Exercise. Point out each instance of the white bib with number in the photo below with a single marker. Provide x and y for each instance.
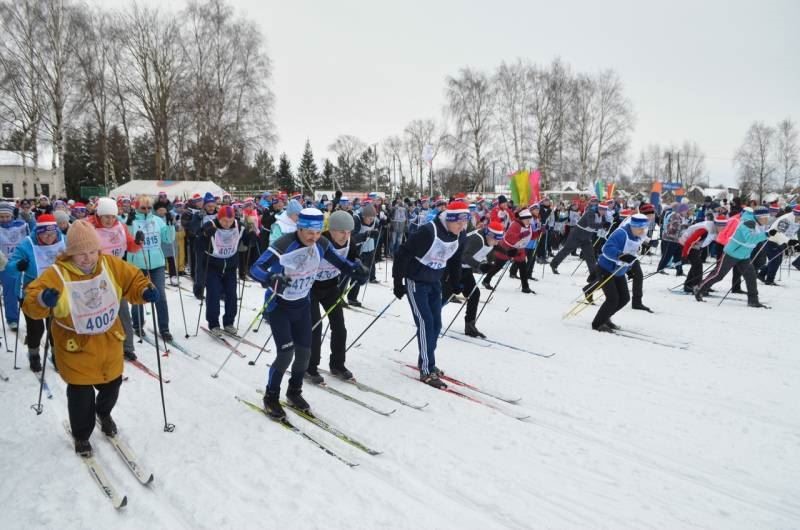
(225, 242)
(301, 266)
(10, 238)
(326, 269)
(439, 252)
(152, 235)
(93, 304)
(45, 255)
(113, 240)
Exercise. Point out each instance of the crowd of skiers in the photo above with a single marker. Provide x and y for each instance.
(82, 272)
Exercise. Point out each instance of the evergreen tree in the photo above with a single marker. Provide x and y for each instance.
(307, 172)
(284, 177)
(265, 168)
(144, 156)
(119, 172)
(73, 164)
(327, 181)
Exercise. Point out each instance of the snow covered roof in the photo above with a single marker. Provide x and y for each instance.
(14, 159)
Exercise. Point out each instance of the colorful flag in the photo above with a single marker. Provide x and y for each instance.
(655, 196)
(610, 190)
(535, 186)
(599, 190)
(520, 187)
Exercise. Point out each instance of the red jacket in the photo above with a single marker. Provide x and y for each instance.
(514, 235)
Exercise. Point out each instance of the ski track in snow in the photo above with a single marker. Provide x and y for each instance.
(623, 433)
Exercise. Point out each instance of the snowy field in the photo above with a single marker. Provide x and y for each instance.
(622, 433)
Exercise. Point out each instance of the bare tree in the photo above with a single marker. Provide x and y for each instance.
(418, 134)
(547, 110)
(755, 168)
(393, 149)
(92, 50)
(691, 164)
(21, 100)
(470, 107)
(582, 127)
(512, 94)
(55, 62)
(788, 154)
(614, 121)
(154, 69)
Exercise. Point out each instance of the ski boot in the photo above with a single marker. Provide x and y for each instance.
(107, 425)
(698, 295)
(231, 330)
(83, 448)
(341, 372)
(433, 380)
(487, 285)
(129, 356)
(641, 307)
(604, 328)
(313, 376)
(295, 398)
(554, 269)
(272, 405)
(167, 336)
(471, 331)
(217, 332)
(35, 361)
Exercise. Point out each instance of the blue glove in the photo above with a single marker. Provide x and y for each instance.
(49, 297)
(151, 294)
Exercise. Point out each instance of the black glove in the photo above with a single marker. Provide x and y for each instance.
(209, 230)
(511, 252)
(131, 217)
(772, 232)
(22, 265)
(399, 288)
(279, 280)
(653, 243)
(627, 258)
(484, 267)
(139, 238)
(168, 218)
(359, 272)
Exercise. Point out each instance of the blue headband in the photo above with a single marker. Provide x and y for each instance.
(309, 221)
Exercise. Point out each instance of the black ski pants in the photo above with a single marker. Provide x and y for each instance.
(617, 296)
(327, 297)
(82, 405)
(742, 266)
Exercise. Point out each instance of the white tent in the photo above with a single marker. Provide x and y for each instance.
(173, 188)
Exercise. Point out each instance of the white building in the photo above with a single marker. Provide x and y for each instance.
(19, 180)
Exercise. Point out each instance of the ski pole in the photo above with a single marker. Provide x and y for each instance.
(598, 286)
(491, 294)
(414, 336)
(3, 320)
(203, 296)
(702, 274)
(180, 295)
(379, 315)
(38, 406)
(371, 266)
(168, 427)
(464, 304)
(254, 361)
(241, 298)
(247, 331)
(19, 302)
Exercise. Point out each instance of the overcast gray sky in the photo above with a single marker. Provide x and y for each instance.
(697, 70)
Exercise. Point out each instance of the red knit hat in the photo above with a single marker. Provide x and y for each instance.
(496, 229)
(225, 211)
(647, 209)
(796, 209)
(46, 223)
(457, 211)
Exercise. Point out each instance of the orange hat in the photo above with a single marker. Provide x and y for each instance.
(82, 238)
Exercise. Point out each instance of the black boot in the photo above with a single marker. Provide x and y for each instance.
(604, 327)
(295, 398)
(314, 376)
(35, 362)
(471, 331)
(554, 269)
(487, 285)
(698, 295)
(341, 372)
(83, 448)
(641, 307)
(107, 425)
(433, 380)
(272, 404)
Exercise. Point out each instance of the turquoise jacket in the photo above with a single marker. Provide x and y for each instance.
(155, 232)
(25, 251)
(746, 237)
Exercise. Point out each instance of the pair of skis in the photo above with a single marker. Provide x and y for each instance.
(487, 342)
(97, 471)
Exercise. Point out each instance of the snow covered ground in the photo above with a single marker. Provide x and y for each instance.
(622, 433)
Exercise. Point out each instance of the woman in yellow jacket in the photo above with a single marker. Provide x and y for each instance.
(82, 291)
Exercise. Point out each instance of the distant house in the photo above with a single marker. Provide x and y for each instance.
(17, 175)
(697, 195)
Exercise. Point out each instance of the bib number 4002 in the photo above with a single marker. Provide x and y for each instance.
(100, 321)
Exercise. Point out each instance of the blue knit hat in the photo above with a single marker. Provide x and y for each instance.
(6, 207)
(639, 220)
(310, 219)
(293, 207)
(760, 211)
(208, 197)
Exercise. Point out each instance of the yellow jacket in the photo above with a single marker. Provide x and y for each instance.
(85, 359)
